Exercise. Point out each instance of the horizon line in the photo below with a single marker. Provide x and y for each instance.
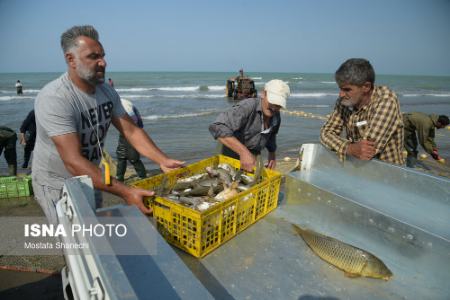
(264, 72)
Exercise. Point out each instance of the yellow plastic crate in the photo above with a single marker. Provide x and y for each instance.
(199, 233)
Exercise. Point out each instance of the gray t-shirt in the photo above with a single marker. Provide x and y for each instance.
(62, 108)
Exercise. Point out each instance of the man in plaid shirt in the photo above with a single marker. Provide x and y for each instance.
(370, 115)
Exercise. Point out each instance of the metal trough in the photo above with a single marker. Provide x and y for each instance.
(399, 215)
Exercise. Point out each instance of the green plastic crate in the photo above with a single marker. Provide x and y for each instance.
(13, 187)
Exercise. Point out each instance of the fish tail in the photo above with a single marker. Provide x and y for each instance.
(300, 231)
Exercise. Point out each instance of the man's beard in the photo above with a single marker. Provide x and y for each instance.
(347, 102)
(89, 75)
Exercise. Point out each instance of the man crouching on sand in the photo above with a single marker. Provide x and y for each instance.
(73, 115)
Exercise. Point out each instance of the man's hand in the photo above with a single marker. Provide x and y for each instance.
(248, 161)
(171, 164)
(135, 196)
(22, 140)
(272, 163)
(435, 154)
(364, 150)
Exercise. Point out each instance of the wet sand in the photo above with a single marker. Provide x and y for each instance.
(29, 285)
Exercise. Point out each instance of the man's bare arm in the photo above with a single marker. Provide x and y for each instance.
(247, 159)
(142, 142)
(69, 149)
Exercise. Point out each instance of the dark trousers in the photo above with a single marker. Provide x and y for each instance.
(29, 147)
(411, 144)
(125, 152)
(9, 144)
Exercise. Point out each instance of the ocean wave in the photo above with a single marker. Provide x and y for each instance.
(438, 95)
(174, 88)
(256, 78)
(134, 89)
(179, 88)
(314, 105)
(312, 95)
(9, 98)
(176, 116)
(216, 87)
(184, 96)
(428, 95)
(26, 91)
(298, 78)
(328, 82)
(193, 96)
(210, 96)
(137, 96)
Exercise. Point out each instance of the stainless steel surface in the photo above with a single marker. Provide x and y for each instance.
(156, 273)
(409, 196)
(395, 213)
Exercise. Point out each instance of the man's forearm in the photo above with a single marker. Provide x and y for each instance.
(334, 143)
(140, 140)
(81, 166)
(234, 144)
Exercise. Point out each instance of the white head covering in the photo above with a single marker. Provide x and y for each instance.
(277, 92)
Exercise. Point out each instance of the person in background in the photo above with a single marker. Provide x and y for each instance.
(369, 114)
(8, 138)
(19, 88)
(252, 125)
(125, 151)
(73, 115)
(422, 125)
(240, 76)
(110, 82)
(27, 137)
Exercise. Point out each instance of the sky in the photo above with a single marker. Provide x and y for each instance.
(409, 37)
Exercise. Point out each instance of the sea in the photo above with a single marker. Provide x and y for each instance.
(177, 107)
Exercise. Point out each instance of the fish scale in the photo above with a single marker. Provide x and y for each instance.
(350, 259)
(343, 256)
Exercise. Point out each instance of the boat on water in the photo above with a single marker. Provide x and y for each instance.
(240, 87)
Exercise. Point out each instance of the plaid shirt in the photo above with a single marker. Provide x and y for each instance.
(379, 121)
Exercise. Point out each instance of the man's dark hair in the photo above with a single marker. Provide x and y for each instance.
(356, 71)
(69, 37)
(443, 120)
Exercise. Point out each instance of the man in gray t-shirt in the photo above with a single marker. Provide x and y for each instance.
(73, 115)
(63, 109)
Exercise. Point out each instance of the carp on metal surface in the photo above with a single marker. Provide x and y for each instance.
(353, 261)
